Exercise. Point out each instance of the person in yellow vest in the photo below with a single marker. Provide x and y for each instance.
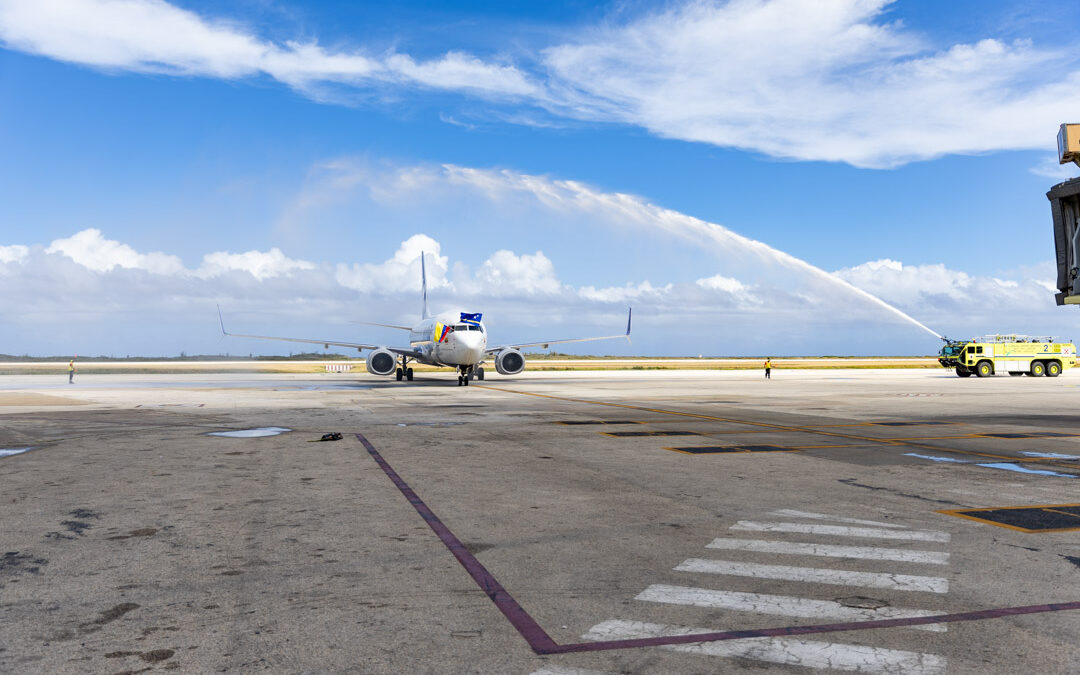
(768, 368)
(71, 371)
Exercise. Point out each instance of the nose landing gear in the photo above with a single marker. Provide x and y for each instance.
(469, 373)
(404, 371)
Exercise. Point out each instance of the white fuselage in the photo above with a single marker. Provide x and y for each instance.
(462, 344)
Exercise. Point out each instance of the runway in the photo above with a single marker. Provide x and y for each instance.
(581, 522)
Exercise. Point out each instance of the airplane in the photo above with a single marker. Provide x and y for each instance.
(451, 340)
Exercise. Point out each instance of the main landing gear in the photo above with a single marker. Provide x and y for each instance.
(469, 373)
(404, 371)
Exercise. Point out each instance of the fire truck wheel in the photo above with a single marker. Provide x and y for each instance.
(963, 373)
(984, 369)
(1053, 369)
(1037, 369)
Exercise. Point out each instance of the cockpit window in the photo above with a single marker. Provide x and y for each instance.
(466, 326)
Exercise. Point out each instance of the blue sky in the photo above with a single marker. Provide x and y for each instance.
(289, 161)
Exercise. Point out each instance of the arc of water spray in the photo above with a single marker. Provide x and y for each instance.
(572, 195)
(721, 235)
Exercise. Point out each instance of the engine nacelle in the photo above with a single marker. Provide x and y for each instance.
(509, 362)
(381, 361)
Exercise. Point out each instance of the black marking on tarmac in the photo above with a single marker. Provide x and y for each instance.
(1032, 519)
(727, 449)
(574, 423)
(907, 424)
(852, 482)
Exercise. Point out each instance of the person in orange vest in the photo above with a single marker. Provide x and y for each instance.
(768, 368)
(71, 371)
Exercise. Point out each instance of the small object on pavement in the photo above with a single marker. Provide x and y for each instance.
(332, 436)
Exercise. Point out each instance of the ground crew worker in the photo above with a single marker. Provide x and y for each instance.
(71, 371)
(768, 368)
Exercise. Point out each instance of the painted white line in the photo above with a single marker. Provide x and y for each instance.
(830, 551)
(561, 670)
(895, 582)
(789, 651)
(792, 513)
(839, 531)
(778, 605)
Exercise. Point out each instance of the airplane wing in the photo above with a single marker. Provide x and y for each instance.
(546, 343)
(406, 351)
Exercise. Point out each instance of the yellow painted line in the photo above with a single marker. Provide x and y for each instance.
(1064, 513)
(1006, 508)
(780, 427)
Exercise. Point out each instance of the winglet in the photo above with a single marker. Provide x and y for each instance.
(629, 316)
(423, 283)
(221, 321)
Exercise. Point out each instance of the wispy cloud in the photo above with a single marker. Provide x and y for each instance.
(794, 79)
(153, 36)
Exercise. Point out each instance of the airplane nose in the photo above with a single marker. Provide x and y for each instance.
(472, 342)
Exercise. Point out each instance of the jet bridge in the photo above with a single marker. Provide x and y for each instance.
(1065, 206)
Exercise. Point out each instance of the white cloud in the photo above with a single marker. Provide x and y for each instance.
(954, 300)
(631, 292)
(1049, 167)
(798, 79)
(13, 253)
(505, 273)
(93, 251)
(809, 80)
(401, 272)
(721, 283)
(154, 36)
(259, 264)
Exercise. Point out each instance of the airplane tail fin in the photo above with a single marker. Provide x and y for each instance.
(423, 284)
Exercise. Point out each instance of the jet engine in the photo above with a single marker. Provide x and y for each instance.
(509, 362)
(381, 361)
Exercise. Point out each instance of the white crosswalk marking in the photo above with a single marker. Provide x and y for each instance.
(778, 605)
(897, 582)
(806, 653)
(792, 513)
(840, 531)
(792, 651)
(831, 551)
(560, 670)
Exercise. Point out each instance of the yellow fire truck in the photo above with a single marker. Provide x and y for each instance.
(1012, 354)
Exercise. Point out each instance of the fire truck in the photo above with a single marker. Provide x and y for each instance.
(1012, 354)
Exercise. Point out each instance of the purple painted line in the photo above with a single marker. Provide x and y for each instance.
(541, 642)
(537, 638)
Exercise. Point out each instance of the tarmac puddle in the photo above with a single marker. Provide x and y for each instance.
(250, 433)
(8, 452)
(1007, 466)
(1049, 455)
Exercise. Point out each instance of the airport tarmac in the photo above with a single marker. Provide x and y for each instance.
(556, 523)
